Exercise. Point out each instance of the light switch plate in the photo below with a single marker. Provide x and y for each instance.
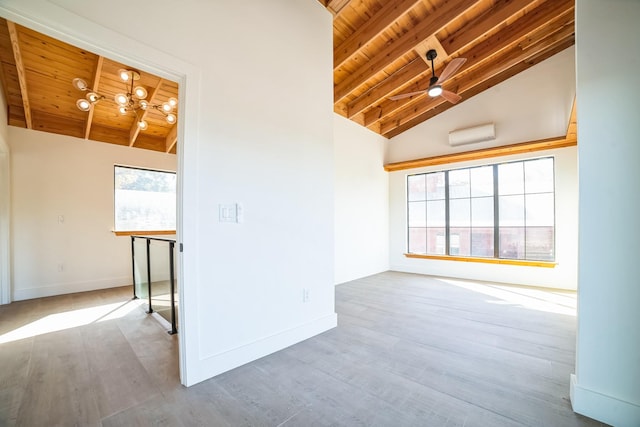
(227, 213)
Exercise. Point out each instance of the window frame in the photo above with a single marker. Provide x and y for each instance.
(496, 256)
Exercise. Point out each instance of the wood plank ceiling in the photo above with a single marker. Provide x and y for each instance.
(36, 73)
(380, 51)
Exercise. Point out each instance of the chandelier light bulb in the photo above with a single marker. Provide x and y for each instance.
(143, 104)
(173, 101)
(93, 97)
(140, 92)
(79, 83)
(124, 75)
(122, 109)
(142, 125)
(166, 107)
(121, 99)
(83, 104)
(171, 118)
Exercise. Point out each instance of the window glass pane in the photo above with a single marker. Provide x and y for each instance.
(436, 241)
(459, 213)
(482, 181)
(436, 214)
(538, 175)
(416, 187)
(482, 212)
(539, 209)
(144, 199)
(418, 240)
(482, 242)
(511, 210)
(417, 214)
(540, 243)
(512, 242)
(435, 186)
(459, 184)
(460, 241)
(510, 178)
(464, 215)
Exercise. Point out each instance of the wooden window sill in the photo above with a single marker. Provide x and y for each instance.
(144, 233)
(485, 260)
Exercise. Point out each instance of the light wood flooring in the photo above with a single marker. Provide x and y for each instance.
(409, 350)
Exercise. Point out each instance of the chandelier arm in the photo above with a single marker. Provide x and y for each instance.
(130, 94)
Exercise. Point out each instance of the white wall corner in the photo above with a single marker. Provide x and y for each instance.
(601, 407)
(230, 359)
(361, 201)
(5, 208)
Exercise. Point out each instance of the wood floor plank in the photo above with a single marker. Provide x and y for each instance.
(409, 350)
(59, 390)
(14, 362)
(119, 379)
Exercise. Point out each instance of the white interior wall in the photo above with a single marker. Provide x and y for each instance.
(256, 128)
(5, 200)
(607, 381)
(535, 104)
(522, 111)
(53, 176)
(361, 202)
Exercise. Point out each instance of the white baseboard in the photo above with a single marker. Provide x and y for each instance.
(604, 408)
(69, 288)
(219, 363)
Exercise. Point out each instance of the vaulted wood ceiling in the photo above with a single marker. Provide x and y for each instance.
(379, 50)
(36, 73)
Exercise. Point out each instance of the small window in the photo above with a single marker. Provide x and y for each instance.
(144, 199)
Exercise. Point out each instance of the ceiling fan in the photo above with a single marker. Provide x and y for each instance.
(435, 83)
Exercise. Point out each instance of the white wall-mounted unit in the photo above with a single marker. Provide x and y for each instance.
(470, 135)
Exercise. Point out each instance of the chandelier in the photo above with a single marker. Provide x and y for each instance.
(131, 101)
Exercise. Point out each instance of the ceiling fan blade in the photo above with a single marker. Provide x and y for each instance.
(453, 98)
(451, 69)
(406, 95)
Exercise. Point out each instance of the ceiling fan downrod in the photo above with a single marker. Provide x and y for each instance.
(434, 89)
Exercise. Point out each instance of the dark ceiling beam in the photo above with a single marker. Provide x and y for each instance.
(336, 6)
(22, 78)
(96, 84)
(415, 69)
(499, 13)
(438, 19)
(378, 23)
(134, 131)
(171, 139)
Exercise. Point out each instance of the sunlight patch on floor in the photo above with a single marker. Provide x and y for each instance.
(70, 319)
(550, 301)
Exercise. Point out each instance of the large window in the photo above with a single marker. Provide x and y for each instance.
(496, 211)
(145, 200)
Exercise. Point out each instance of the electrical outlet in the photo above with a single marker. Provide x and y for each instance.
(60, 268)
(305, 295)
